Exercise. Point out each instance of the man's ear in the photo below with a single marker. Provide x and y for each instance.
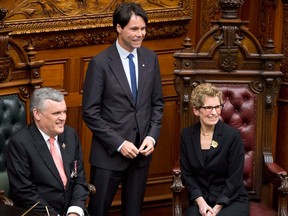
(195, 111)
(118, 28)
(36, 114)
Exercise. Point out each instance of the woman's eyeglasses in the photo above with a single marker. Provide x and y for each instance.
(210, 108)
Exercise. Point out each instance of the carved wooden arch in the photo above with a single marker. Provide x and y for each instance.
(19, 68)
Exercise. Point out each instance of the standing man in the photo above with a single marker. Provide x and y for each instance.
(123, 114)
(44, 161)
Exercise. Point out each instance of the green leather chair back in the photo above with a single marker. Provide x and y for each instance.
(12, 119)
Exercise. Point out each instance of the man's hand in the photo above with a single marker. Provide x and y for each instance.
(147, 147)
(129, 150)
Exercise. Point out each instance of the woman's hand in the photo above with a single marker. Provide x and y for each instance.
(204, 208)
(217, 208)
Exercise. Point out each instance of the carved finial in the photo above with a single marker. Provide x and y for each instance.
(187, 43)
(229, 8)
(30, 50)
(270, 46)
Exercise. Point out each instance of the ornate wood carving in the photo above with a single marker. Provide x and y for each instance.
(209, 10)
(85, 37)
(17, 66)
(285, 42)
(5, 60)
(267, 20)
(229, 8)
(56, 24)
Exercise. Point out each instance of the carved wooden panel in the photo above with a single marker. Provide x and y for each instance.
(68, 23)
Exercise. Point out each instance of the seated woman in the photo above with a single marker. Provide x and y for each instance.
(212, 159)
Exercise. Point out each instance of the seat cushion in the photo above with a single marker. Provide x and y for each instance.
(258, 209)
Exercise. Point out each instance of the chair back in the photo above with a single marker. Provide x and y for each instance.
(12, 119)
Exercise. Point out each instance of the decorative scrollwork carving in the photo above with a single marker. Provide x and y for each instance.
(284, 185)
(230, 8)
(5, 60)
(24, 92)
(177, 185)
(257, 86)
(229, 62)
(5, 63)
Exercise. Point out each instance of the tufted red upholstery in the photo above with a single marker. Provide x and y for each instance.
(240, 112)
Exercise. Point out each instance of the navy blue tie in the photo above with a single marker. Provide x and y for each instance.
(133, 76)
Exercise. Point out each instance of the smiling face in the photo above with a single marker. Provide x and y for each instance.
(208, 118)
(132, 35)
(51, 119)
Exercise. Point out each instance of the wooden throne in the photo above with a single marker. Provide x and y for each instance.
(231, 58)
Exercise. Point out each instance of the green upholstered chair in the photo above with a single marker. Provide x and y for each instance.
(12, 119)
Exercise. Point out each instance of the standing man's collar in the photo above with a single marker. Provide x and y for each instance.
(124, 53)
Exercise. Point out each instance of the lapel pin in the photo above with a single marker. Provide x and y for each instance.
(214, 144)
(143, 65)
(63, 145)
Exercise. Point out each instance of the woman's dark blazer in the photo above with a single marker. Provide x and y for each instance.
(219, 180)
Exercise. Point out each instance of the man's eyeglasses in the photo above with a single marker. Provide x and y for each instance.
(210, 108)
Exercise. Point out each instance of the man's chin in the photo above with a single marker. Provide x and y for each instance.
(137, 45)
(60, 129)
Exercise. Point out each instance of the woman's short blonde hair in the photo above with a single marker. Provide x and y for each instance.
(202, 91)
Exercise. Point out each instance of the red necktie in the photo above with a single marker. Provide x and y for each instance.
(57, 160)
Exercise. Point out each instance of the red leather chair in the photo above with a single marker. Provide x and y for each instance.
(240, 111)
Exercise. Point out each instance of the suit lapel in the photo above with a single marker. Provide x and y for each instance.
(117, 68)
(142, 72)
(42, 148)
(217, 136)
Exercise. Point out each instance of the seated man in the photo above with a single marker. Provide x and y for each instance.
(44, 160)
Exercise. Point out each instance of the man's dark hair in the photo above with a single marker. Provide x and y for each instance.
(124, 11)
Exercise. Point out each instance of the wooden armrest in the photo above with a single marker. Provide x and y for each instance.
(4, 200)
(276, 175)
(275, 169)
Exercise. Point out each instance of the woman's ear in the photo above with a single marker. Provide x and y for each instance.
(196, 111)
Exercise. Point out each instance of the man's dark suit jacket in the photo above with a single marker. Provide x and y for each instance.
(109, 110)
(34, 177)
(219, 179)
